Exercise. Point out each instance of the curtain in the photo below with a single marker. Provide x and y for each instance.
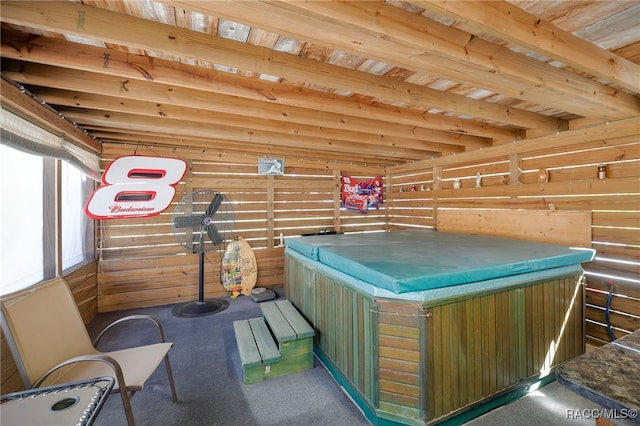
(22, 135)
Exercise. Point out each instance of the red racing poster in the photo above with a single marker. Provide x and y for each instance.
(361, 195)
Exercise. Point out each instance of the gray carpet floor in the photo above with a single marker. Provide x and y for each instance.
(211, 391)
(209, 382)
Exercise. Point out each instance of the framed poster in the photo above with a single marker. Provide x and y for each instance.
(270, 166)
(361, 195)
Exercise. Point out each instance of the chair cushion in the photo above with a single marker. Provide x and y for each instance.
(137, 363)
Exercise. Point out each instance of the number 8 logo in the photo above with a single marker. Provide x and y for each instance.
(136, 186)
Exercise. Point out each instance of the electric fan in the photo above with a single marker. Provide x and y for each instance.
(201, 221)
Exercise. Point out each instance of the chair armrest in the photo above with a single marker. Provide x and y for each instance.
(130, 318)
(84, 358)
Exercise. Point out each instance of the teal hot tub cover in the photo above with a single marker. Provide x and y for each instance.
(417, 260)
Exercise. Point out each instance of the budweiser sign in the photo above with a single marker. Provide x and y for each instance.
(135, 186)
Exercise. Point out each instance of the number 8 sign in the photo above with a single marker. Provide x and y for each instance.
(135, 186)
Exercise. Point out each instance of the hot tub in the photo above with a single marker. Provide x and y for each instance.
(420, 326)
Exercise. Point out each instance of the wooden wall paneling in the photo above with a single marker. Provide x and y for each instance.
(408, 202)
(303, 204)
(624, 313)
(419, 181)
(564, 139)
(493, 171)
(83, 282)
(515, 169)
(337, 200)
(270, 267)
(572, 228)
(270, 212)
(624, 271)
(572, 162)
(143, 264)
(619, 155)
(625, 290)
(11, 380)
(571, 158)
(620, 321)
(623, 236)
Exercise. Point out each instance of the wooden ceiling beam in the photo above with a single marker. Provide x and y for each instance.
(204, 130)
(14, 100)
(282, 96)
(391, 34)
(294, 122)
(240, 121)
(170, 101)
(111, 27)
(515, 25)
(313, 159)
(149, 109)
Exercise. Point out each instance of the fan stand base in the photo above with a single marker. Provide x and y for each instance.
(200, 308)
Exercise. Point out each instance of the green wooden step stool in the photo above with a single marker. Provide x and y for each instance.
(263, 357)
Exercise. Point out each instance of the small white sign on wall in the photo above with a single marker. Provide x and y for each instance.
(270, 166)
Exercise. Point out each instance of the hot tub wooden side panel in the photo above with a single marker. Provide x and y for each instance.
(401, 351)
(484, 345)
(343, 324)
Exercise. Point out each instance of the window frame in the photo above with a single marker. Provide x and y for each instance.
(52, 241)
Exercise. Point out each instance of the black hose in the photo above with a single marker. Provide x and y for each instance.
(606, 313)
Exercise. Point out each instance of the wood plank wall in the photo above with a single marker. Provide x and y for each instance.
(509, 180)
(142, 264)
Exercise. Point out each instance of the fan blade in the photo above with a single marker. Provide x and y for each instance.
(188, 221)
(215, 204)
(214, 235)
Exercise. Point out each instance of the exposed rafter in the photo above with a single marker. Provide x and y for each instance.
(381, 82)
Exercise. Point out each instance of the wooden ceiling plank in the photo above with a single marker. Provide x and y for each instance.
(473, 60)
(66, 54)
(571, 15)
(513, 24)
(391, 34)
(626, 22)
(78, 19)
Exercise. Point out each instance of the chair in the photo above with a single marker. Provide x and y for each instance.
(51, 345)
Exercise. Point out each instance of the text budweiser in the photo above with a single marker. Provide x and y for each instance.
(120, 209)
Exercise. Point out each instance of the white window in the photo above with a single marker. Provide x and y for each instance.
(78, 244)
(28, 225)
(43, 230)
(21, 219)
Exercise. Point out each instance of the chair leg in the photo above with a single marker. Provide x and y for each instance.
(174, 395)
(126, 403)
